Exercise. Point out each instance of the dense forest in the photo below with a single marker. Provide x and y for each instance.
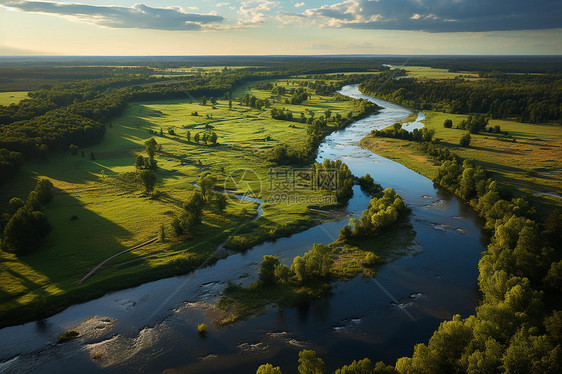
(508, 64)
(528, 98)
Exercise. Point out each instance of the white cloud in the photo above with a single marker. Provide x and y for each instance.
(289, 18)
(439, 15)
(255, 11)
(138, 16)
(298, 5)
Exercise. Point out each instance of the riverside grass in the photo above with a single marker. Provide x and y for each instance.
(530, 166)
(99, 210)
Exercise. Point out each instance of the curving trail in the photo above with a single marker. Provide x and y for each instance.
(98, 266)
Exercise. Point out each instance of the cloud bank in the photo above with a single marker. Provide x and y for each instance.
(424, 15)
(138, 16)
(439, 15)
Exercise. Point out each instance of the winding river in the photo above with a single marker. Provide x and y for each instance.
(151, 328)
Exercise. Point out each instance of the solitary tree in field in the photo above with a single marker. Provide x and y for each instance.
(151, 146)
(213, 101)
(448, 123)
(204, 100)
(465, 140)
(188, 136)
(221, 202)
(207, 184)
(196, 138)
(194, 204)
(148, 180)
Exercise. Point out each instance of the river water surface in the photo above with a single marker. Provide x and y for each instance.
(152, 327)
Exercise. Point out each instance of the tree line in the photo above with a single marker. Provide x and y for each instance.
(528, 98)
(317, 129)
(517, 326)
(24, 224)
(310, 363)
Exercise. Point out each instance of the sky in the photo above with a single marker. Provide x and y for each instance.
(265, 27)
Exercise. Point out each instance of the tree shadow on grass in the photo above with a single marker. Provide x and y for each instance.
(48, 278)
(79, 240)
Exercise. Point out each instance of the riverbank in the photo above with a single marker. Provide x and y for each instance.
(427, 283)
(526, 162)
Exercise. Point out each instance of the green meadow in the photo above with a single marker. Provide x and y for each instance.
(99, 209)
(7, 98)
(531, 164)
(426, 72)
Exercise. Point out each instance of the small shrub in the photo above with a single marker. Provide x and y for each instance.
(465, 140)
(202, 329)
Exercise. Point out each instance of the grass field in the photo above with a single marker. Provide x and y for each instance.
(531, 165)
(112, 214)
(7, 98)
(425, 72)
